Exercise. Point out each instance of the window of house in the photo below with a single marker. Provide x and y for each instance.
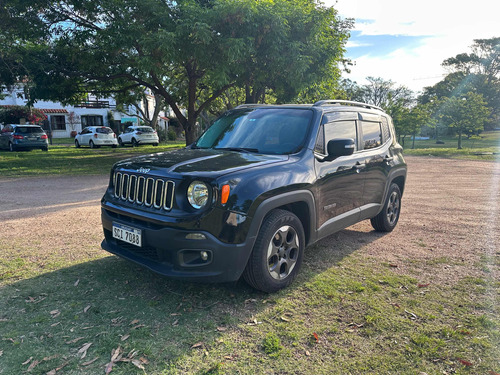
(58, 122)
(91, 120)
(372, 134)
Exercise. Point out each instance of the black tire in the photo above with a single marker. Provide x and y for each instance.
(277, 254)
(113, 146)
(155, 144)
(45, 149)
(387, 219)
(12, 148)
(92, 145)
(77, 144)
(134, 142)
(120, 142)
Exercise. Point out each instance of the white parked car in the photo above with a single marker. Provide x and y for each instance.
(96, 136)
(139, 135)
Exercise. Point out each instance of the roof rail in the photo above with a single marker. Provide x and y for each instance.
(347, 102)
(250, 105)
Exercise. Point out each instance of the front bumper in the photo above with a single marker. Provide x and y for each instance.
(167, 251)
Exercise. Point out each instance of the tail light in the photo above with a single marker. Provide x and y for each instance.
(44, 136)
(138, 133)
(114, 135)
(18, 136)
(95, 135)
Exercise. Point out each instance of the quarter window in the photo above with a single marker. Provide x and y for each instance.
(372, 135)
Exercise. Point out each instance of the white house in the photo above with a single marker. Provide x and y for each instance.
(91, 112)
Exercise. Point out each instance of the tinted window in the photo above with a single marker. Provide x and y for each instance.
(104, 130)
(341, 129)
(28, 129)
(264, 130)
(372, 136)
(145, 129)
(385, 130)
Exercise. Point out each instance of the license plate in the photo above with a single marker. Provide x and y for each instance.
(127, 234)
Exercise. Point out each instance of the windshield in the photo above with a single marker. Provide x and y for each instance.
(262, 130)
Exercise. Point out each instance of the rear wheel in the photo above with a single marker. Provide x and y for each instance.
(45, 149)
(113, 146)
(155, 144)
(91, 144)
(277, 253)
(387, 219)
(134, 142)
(11, 147)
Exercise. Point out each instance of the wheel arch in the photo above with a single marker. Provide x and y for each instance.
(300, 203)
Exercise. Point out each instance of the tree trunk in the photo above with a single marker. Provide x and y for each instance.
(460, 140)
(413, 143)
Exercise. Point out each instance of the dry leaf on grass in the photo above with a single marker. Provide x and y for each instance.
(27, 361)
(464, 362)
(123, 338)
(74, 340)
(133, 322)
(86, 309)
(176, 322)
(197, 345)
(423, 285)
(285, 319)
(76, 282)
(139, 326)
(55, 313)
(90, 362)
(316, 336)
(221, 329)
(1, 353)
(33, 365)
(83, 349)
(308, 353)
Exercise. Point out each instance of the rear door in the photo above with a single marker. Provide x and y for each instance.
(375, 142)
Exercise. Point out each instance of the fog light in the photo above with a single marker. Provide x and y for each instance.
(196, 236)
(204, 255)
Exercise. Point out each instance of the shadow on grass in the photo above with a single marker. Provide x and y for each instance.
(111, 303)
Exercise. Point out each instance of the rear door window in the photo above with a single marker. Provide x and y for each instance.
(372, 134)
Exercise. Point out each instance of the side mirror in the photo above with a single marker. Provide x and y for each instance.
(340, 147)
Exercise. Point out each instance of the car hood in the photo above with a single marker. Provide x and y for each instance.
(203, 163)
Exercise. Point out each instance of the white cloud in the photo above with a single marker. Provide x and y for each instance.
(449, 28)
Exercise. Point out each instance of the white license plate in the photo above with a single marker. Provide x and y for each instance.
(127, 234)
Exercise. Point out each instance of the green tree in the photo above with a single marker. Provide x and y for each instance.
(466, 114)
(189, 52)
(409, 121)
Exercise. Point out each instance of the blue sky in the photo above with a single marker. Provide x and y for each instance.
(406, 41)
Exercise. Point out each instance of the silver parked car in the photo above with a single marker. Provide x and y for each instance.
(15, 137)
(139, 135)
(96, 136)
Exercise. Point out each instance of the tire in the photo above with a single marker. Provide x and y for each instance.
(77, 144)
(134, 142)
(12, 148)
(120, 142)
(113, 146)
(277, 254)
(91, 144)
(387, 219)
(45, 149)
(155, 144)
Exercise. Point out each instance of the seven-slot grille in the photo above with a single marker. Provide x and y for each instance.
(143, 190)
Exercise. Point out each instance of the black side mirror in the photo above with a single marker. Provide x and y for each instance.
(340, 147)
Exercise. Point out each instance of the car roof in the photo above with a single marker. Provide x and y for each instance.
(27, 125)
(323, 106)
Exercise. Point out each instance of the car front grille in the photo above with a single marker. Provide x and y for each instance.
(144, 190)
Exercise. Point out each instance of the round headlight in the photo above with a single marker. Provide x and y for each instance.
(197, 194)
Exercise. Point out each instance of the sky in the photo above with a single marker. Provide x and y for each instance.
(406, 41)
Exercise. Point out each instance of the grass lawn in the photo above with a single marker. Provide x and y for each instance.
(350, 315)
(484, 147)
(66, 160)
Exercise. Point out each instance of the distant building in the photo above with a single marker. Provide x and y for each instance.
(93, 111)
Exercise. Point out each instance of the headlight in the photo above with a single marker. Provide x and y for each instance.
(197, 194)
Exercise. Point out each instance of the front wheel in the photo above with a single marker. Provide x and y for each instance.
(387, 219)
(11, 147)
(77, 144)
(277, 253)
(120, 142)
(134, 142)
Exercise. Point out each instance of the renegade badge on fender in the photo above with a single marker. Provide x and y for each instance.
(261, 184)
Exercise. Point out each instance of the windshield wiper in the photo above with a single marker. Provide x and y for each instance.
(240, 149)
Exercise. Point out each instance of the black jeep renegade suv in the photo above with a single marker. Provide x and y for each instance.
(261, 184)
